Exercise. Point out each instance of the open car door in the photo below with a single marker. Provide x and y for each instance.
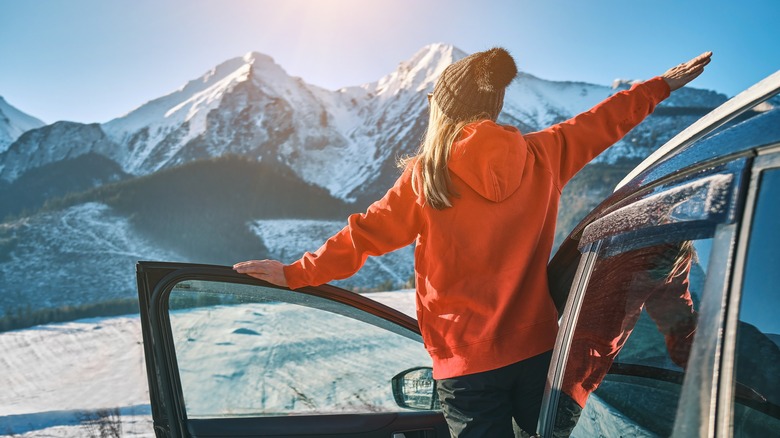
(228, 355)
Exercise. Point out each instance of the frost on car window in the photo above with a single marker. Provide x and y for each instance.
(705, 199)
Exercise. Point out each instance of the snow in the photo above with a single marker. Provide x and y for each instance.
(697, 200)
(173, 120)
(599, 419)
(152, 135)
(289, 239)
(150, 112)
(543, 102)
(83, 254)
(14, 123)
(419, 73)
(166, 115)
(340, 140)
(51, 373)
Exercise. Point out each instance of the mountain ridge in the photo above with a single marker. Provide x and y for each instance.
(341, 140)
(129, 189)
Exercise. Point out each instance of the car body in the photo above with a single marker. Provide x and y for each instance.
(667, 294)
(667, 285)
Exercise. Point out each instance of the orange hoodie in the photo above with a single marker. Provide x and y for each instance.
(481, 265)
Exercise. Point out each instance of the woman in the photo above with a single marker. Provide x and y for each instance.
(480, 201)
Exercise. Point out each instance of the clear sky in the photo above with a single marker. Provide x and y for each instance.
(93, 60)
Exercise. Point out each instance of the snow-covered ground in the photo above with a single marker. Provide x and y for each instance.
(82, 254)
(257, 357)
(51, 374)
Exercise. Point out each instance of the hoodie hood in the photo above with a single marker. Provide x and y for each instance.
(490, 159)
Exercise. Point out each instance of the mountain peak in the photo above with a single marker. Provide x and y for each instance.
(257, 57)
(419, 72)
(14, 123)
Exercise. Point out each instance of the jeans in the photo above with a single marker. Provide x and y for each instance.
(484, 404)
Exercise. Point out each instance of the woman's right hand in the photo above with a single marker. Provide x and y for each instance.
(680, 75)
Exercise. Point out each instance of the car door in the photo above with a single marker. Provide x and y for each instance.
(668, 291)
(641, 336)
(228, 355)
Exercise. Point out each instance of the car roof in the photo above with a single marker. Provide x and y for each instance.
(696, 135)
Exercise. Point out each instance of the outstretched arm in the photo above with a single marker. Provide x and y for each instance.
(572, 144)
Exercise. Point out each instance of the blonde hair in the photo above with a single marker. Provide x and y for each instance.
(683, 261)
(430, 174)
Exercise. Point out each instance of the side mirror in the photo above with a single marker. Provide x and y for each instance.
(416, 389)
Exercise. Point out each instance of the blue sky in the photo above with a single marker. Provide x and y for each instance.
(93, 60)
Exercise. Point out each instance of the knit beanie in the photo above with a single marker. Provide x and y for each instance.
(475, 84)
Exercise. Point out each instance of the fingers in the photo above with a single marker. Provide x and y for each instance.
(271, 271)
(700, 61)
(252, 266)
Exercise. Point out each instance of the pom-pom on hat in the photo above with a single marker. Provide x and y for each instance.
(475, 84)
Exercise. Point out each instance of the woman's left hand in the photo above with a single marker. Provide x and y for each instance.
(680, 75)
(271, 271)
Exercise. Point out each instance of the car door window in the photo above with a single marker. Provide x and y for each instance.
(757, 371)
(249, 350)
(632, 339)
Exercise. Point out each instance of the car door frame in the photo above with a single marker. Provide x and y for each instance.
(715, 292)
(768, 158)
(156, 281)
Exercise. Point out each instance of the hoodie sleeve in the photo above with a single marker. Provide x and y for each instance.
(390, 223)
(572, 144)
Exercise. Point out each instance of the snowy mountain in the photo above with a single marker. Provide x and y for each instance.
(338, 140)
(14, 123)
(346, 140)
(50, 144)
(344, 143)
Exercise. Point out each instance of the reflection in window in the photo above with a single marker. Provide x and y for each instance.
(248, 350)
(632, 340)
(757, 387)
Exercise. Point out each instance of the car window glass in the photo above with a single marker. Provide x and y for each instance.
(757, 372)
(632, 339)
(245, 350)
